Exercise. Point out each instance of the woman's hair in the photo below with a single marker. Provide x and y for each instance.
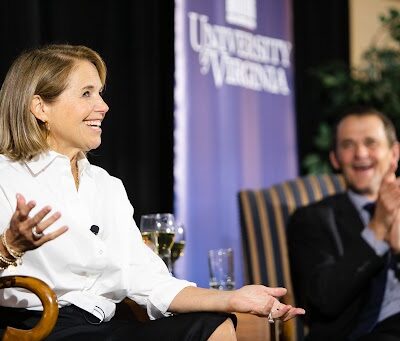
(42, 71)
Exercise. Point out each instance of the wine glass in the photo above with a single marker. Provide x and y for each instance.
(179, 243)
(158, 230)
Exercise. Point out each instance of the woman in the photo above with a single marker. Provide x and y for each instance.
(51, 112)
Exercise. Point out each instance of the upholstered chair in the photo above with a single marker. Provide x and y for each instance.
(264, 213)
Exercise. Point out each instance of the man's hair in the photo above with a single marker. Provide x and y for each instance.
(361, 111)
(44, 72)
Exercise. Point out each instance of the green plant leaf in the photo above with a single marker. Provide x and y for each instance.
(377, 84)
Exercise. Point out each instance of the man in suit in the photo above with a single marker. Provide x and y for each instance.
(343, 249)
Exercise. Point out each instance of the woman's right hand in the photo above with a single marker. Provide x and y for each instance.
(20, 236)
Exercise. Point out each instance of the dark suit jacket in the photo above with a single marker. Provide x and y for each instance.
(332, 266)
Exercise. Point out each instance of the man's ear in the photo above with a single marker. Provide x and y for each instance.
(396, 154)
(38, 107)
(334, 160)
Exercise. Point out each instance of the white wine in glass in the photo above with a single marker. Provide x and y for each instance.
(158, 232)
(179, 243)
(150, 239)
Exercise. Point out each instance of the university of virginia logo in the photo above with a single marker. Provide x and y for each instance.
(238, 57)
(242, 13)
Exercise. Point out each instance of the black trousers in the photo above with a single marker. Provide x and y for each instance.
(386, 330)
(74, 323)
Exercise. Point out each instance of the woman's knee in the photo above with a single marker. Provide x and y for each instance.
(225, 331)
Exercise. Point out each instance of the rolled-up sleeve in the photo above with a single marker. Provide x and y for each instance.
(150, 283)
(148, 280)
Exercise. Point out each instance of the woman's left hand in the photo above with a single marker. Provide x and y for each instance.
(261, 301)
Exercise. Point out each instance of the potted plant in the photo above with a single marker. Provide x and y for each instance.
(376, 82)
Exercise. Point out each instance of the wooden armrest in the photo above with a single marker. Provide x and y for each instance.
(50, 308)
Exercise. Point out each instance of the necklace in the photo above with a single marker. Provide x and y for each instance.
(75, 174)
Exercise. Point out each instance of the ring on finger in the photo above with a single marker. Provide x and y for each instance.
(36, 234)
(270, 319)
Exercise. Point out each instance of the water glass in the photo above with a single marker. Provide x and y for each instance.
(220, 264)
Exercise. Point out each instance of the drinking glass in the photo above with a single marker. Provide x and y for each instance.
(158, 231)
(220, 263)
(179, 243)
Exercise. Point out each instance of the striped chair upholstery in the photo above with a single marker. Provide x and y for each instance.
(264, 214)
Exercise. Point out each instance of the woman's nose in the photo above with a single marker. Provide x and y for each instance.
(102, 106)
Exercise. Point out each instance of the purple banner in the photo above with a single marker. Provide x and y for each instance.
(234, 118)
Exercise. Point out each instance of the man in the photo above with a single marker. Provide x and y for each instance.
(343, 254)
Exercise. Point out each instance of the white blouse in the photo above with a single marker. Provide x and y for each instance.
(90, 271)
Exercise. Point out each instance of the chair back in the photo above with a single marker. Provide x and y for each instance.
(264, 214)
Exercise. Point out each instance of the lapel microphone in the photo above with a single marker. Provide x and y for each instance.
(95, 229)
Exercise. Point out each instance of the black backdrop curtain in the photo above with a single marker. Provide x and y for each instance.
(321, 35)
(136, 40)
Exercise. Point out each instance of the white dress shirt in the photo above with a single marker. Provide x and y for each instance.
(90, 271)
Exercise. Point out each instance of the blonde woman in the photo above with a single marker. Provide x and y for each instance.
(51, 112)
